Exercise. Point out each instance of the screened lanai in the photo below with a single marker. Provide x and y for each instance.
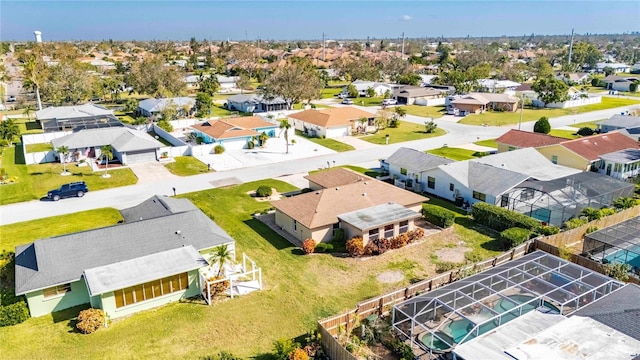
(443, 318)
(619, 243)
(559, 200)
(80, 123)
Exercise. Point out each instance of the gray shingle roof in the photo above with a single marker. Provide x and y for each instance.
(255, 99)
(62, 259)
(623, 156)
(619, 310)
(416, 161)
(484, 178)
(70, 112)
(156, 206)
(121, 138)
(621, 121)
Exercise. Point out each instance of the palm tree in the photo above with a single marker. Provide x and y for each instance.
(63, 151)
(263, 139)
(222, 256)
(27, 111)
(285, 126)
(8, 130)
(32, 78)
(107, 154)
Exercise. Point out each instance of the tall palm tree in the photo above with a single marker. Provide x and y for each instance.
(33, 78)
(285, 126)
(63, 151)
(28, 110)
(107, 154)
(222, 256)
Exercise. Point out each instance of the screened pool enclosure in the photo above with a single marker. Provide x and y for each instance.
(619, 243)
(443, 318)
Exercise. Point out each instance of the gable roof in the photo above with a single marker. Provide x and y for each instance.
(71, 112)
(255, 99)
(233, 127)
(335, 177)
(483, 178)
(591, 147)
(617, 78)
(525, 139)
(156, 206)
(416, 161)
(536, 165)
(621, 121)
(485, 98)
(416, 91)
(156, 105)
(619, 310)
(322, 207)
(332, 117)
(63, 259)
(120, 138)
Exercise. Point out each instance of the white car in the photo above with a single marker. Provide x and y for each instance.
(389, 102)
(343, 95)
(347, 102)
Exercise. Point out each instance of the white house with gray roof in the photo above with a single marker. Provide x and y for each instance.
(150, 107)
(152, 258)
(618, 122)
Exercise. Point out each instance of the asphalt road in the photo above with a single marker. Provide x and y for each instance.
(123, 197)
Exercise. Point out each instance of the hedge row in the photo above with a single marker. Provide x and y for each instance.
(513, 237)
(13, 314)
(501, 219)
(438, 216)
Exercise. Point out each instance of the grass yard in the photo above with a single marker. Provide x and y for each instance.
(589, 124)
(218, 110)
(186, 166)
(332, 144)
(27, 126)
(32, 148)
(300, 106)
(330, 92)
(358, 169)
(298, 291)
(368, 101)
(425, 111)
(488, 143)
(457, 154)
(405, 131)
(506, 118)
(567, 134)
(33, 181)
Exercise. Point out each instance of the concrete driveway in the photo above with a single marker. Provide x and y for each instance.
(150, 172)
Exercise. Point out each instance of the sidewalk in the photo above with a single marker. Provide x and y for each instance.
(358, 144)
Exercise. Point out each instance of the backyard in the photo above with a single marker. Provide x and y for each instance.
(405, 131)
(298, 290)
(33, 181)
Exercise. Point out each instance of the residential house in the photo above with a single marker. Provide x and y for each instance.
(233, 133)
(128, 146)
(333, 122)
(574, 78)
(622, 164)
(152, 258)
(536, 166)
(525, 92)
(379, 88)
(476, 103)
(316, 214)
(193, 81)
(251, 103)
(497, 86)
(618, 122)
(619, 83)
(227, 83)
(408, 167)
(330, 179)
(409, 95)
(519, 139)
(154, 107)
(76, 117)
(617, 67)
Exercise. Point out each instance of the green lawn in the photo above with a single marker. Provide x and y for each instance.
(186, 166)
(506, 118)
(589, 124)
(567, 134)
(359, 169)
(332, 144)
(300, 106)
(27, 126)
(405, 131)
(368, 101)
(32, 148)
(425, 111)
(218, 110)
(330, 93)
(33, 181)
(488, 143)
(457, 154)
(125, 117)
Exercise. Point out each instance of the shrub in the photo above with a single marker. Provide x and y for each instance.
(547, 230)
(513, 237)
(218, 149)
(323, 247)
(308, 246)
(606, 212)
(443, 266)
(542, 126)
(223, 355)
(355, 246)
(299, 354)
(585, 131)
(338, 235)
(13, 314)
(90, 320)
(283, 348)
(251, 144)
(574, 223)
(591, 213)
(165, 125)
(591, 229)
(438, 215)
(399, 241)
(624, 203)
(371, 248)
(416, 234)
(618, 271)
(264, 191)
(501, 219)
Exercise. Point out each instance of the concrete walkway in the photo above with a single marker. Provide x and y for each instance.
(357, 143)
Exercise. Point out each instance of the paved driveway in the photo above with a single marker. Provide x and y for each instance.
(150, 172)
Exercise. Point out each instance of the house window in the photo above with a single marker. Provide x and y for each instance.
(374, 234)
(388, 231)
(295, 225)
(431, 182)
(554, 159)
(150, 290)
(511, 148)
(404, 227)
(451, 187)
(479, 196)
(602, 164)
(617, 167)
(336, 226)
(403, 171)
(56, 291)
(526, 194)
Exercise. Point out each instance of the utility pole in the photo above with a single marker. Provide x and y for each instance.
(324, 49)
(402, 55)
(570, 49)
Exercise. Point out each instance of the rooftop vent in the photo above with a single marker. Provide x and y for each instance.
(365, 183)
(364, 194)
(337, 188)
(178, 232)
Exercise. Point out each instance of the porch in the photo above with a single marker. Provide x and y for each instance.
(236, 278)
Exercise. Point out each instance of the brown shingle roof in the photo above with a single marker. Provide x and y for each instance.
(332, 117)
(592, 147)
(525, 139)
(232, 127)
(335, 177)
(321, 208)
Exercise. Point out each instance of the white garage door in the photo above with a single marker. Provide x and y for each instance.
(134, 157)
(336, 132)
(234, 144)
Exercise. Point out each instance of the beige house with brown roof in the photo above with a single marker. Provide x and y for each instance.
(333, 122)
(316, 214)
(476, 103)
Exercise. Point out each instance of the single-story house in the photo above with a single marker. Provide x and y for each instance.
(536, 166)
(410, 95)
(476, 103)
(619, 83)
(255, 103)
(330, 179)
(314, 215)
(378, 87)
(193, 81)
(76, 117)
(227, 83)
(574, 78)
(333, 122)
(622, 164)
(525, 91)
(519, 139)
(493, 85)
(584, 153)
(618, 122)
(152, 107)
(234, 133)
(150, 259)
(617, 67)
(129, 146)
(408, 166)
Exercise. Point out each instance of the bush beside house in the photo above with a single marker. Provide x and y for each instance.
(438, 216)
(500, 219)
(513, 237)
(90, 320)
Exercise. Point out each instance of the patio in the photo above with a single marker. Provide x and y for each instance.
(235, 279)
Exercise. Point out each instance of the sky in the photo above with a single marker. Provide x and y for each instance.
(306, 19)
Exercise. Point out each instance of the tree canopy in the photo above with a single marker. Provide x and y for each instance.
(550, 90)
(151, 77)
(294, 83)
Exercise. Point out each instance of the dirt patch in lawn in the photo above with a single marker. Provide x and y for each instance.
(390, 277)
(455, 255)
(275, 195)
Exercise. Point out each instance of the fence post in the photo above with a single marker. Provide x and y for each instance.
(381, 305)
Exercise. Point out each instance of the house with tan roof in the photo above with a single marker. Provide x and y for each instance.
(388, 210)
(333, 122)
(519, 139)
(476, 103)
(233, 133)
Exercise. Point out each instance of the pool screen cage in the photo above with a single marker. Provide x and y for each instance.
(439, 320)
(556, 201)
(619, 243)
(80, 123)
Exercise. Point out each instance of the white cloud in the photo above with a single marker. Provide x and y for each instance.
(406, 17)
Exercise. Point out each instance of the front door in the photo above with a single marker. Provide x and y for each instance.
(608, 169)
(504, 201)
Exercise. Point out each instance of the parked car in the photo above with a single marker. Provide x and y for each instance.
(389, 102)
(347, 102)
(11, 99)
(343, 95)
(78, 189)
